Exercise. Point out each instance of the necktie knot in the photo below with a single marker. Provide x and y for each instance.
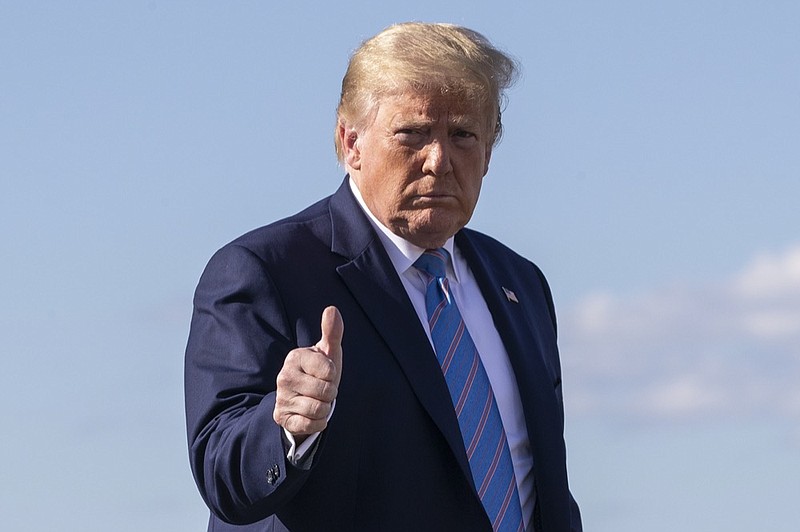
(433, 262)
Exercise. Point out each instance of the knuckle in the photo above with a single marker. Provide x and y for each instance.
(319, 410)
(329, 392)
(282, 379)
(291, 359)
(294, 424)
(331, 369)
(312, 409)
(294, 359)
(281, 402)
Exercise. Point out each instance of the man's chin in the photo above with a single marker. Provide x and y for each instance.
(433, 233)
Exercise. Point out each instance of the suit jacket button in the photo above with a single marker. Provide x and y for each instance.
(273, 473)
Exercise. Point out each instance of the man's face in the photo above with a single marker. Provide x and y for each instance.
(419, 161)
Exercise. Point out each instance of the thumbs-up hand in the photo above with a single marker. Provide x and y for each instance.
(309, 380)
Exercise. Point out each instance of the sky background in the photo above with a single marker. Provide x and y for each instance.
(650, 166)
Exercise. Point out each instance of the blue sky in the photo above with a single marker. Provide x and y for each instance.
(650, 166)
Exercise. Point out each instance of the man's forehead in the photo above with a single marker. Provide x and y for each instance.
(433, 107)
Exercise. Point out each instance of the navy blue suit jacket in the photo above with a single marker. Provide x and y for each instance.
(392, 457)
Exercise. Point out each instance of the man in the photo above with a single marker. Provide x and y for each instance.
(369, 364)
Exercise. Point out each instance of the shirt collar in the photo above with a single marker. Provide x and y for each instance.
(401, 252)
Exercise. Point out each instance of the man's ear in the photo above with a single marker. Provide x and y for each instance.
(348, 139)
(488, 158)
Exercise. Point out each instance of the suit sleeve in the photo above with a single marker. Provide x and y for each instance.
(238, 339)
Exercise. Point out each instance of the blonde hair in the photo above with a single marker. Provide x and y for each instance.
(426, 58)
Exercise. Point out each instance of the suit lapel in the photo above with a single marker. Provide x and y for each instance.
(371, 278)
(527, 346)
(522, 342)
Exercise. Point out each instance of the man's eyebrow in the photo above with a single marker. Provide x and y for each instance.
(453, 121)
(412, 121)
(465, 121)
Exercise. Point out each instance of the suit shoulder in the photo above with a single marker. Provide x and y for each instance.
(510, 264)
(290, 235)
(491, 246)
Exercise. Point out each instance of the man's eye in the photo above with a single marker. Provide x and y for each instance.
(409, 136)
(461, 133)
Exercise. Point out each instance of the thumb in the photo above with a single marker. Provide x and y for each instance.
(332, 327)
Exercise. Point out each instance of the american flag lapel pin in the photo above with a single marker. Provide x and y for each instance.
(510, 295)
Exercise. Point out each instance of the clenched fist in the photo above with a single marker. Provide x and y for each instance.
(309, 380)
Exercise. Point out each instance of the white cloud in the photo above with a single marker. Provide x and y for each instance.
(681, 352)
(771, 276)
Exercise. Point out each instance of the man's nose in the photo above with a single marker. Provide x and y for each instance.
(437, 158)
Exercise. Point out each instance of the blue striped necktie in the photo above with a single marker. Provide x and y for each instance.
(473, 400)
